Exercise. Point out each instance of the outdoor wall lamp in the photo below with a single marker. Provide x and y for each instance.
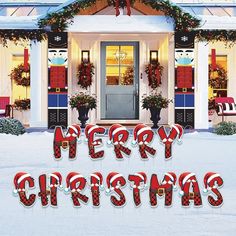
(153, 56)
(85, 56)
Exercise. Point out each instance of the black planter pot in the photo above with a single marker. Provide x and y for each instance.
(155, 116)
(83, 115)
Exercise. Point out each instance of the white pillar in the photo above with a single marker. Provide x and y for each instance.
(201, 86)
(231, 55)
(171, 79)
(36, 85)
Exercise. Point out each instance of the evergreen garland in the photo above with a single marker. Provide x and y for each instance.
(183, 21)
(21, 35)
(59, 21)
(226, 36)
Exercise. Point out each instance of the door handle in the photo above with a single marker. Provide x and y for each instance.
(106, 102)
(134, 101)
(136, 90)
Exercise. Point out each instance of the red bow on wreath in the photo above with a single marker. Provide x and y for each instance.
(128, 6)
(158, 76)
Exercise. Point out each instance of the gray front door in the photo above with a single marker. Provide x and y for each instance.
(119, 80)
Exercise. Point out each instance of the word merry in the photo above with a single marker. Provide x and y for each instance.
(76, 184)
(118, 136)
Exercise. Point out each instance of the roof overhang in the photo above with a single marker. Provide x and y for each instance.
(21, 22)
(218, 23)
(107, 22)
(121, 24)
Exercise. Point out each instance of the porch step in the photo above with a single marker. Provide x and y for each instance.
(129, 127)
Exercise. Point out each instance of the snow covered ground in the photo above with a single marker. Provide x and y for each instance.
(199, 153)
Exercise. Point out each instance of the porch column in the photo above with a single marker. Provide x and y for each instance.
(201, 86)
(37, 96)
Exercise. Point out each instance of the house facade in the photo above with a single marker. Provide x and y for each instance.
(119, 48)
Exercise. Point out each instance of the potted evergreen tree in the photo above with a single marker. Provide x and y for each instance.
(155, 102)
(83, 103)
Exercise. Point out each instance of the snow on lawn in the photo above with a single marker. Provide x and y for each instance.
(199, 153)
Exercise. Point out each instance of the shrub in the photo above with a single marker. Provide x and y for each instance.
(155, 100)
(11, 126)
(81, 99)
(226, 128)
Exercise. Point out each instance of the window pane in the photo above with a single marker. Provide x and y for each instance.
(112, 55)
(127, 75)
(119, 65)
(39, 11)
(7, 11)
(23, 11)
(127, 53)
(112, 75)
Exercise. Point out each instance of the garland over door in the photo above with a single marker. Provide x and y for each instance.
(57, 80)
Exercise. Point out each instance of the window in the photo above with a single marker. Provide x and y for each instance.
(18, 92)
(217, 84)
(119, 65)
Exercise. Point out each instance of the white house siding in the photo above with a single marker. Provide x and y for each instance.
(201, 85)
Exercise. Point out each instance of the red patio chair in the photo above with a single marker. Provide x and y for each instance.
(5, 107)
(225, 106)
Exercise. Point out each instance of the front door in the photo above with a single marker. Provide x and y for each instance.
(119, 80)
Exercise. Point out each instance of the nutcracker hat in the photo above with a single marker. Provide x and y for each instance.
(97, 177)
(72, 179)
(172, 177)
(209, 180)
(19, 180)
(113, 130)
(179, 130)
(111, 178)
(57, 176)
(184, 178)
(139, 130)
(91, 128)
(74, 130)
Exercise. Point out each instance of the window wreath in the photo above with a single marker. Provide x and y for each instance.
(20, 75)
(217, 77)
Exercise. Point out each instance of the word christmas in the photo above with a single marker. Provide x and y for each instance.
(76, 184)
(118, 136)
